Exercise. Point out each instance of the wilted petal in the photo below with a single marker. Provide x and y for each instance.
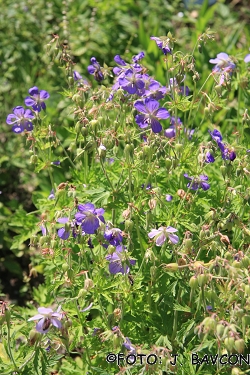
(87, 308)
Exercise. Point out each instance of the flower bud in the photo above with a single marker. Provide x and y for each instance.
(223, 170)
(178, 146)
(84, 131)
(34, 336)
(129, 225)
(209, 324)
(188, 243)
(94, 125)
(88, 284)
(171, 267)
(65, 267)
(33, 159)
(129, 152)
(229, 343)
(82, 293)
(193, 282)
(102, 151)
(239, 345)
(70, 273)
(111, 249)
(168, 163)
(236, 371)
(202, 279)
(220, 329)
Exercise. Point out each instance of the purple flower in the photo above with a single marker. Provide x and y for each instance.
(47, 317)
(128, 345)
(151, 114)
(223, 63)
(209, 158)
(36, 99)
(163, 43)
(87, 308)
(89, 217)
(148, 187)
(113, 236)
(155, 91)
(138, 57)
(44, 230)
(162, 234)
(95, 70)
(56, 162)
(76, 75)
(170, 132)
(247, 58)
(20, 119)
(189, 132)
(118, 261)
(52, 194)
(63, 232)
(197, 182)
(226, 153)
(131, 82)
(169, 197)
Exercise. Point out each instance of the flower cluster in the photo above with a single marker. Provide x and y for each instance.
(226, 153)
(21, 118)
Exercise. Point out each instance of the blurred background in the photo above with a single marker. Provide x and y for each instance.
(35, 34)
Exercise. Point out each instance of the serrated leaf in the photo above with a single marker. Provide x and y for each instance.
(179, 307)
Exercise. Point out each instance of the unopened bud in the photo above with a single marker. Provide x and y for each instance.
(34, 336)
(88, 284)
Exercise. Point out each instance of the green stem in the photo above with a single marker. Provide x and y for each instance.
(175, 324)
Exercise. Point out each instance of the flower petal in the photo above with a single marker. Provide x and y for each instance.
(173, 238)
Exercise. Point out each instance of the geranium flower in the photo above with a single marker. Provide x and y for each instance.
(118, 261)
(128, 345)
(20, 119)
(113, 236)
(131, 82)
(151, 114)
(247, 58)
(63, 233)
(162, 234)
(223, 63)
(95, 70)
(197, 182)
(47, 317)
(163, 43)
(89, 217)
(36, 99)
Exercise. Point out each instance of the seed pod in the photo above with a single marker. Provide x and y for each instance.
(84, 131)
(65, 267)
(168, 163)
(70, 273)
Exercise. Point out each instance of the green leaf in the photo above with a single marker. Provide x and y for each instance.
(179, 307)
